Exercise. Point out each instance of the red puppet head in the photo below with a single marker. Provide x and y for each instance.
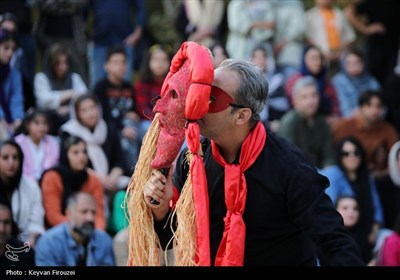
(171, 107)
(184, 98)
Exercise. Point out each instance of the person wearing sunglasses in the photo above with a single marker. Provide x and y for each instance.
(350, 177)
(259, 200)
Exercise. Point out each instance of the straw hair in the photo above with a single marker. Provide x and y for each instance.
(185, 235)
(144, 243)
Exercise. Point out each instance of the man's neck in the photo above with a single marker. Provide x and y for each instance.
(115, 81)
(231, 146)
(367, 123)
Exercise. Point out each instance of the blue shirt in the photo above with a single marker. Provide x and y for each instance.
(14, 95)
(57, 248)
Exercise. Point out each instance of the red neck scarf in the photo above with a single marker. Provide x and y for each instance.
(231, 248)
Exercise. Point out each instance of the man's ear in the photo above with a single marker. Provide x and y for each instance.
(243, 116)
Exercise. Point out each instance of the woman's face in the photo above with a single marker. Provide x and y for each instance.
(219, 55)
(348, 208)
(9, 161)
(258, 58)
(313, 61)
(88, 113)
(354, 65)
(37, 128)
(77, 157)
(7, 49)
(351, 157)
(159, 63)
(61, 66)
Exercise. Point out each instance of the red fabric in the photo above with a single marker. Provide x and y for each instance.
(175, 197)
(201, 76)
(220, 100)
(172, 119)
(231, 248)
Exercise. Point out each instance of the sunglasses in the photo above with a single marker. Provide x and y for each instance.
(220, 100)
(355, 153)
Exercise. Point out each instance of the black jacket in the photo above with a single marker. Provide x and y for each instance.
(287, 214)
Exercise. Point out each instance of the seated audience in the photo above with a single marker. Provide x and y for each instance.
(20, 193)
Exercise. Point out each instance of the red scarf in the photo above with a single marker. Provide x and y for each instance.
(231, 248)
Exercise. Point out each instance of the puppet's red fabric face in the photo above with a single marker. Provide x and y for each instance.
(171, 107)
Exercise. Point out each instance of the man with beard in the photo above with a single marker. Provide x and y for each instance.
(76, 242)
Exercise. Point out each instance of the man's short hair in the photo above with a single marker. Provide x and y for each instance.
(115, 50)
(366, 96)
(303, 82)
(73, 199)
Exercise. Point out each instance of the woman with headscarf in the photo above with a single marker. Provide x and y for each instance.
(351, 81)
(103, 144)
(350, 177)
(20, 193)
(71, 175)
(313, 64)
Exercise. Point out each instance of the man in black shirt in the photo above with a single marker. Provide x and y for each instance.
(266, 203)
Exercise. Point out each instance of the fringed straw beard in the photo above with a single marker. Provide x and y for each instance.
(143, 242)
(186, 233)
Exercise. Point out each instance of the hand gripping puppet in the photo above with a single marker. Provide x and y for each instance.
(185, 98)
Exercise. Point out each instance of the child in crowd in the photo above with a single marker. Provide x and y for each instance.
(41, 150)
(117, 99)
(347, 206)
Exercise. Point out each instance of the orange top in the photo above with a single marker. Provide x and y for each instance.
(331, 30)
(52, 192)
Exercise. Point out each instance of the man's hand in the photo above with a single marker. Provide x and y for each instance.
(159, 187)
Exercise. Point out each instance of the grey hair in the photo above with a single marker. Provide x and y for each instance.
(253, 86)
(303, 82)
(73, 199)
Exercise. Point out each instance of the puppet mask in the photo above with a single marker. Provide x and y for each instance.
(171, 107)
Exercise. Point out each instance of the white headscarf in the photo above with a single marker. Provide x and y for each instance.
(94, 140)
(394, 168)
